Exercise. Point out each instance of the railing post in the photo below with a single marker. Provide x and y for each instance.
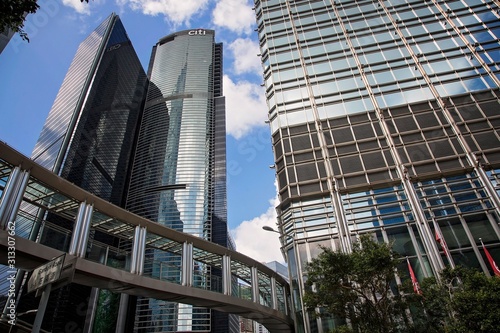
(13, 195)
(226, 275)
(187, 264)
(78, 245)
(255, 285)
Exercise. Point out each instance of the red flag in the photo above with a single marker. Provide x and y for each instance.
(491, 261)
(442, 242)
(440, 239)
(414, 281)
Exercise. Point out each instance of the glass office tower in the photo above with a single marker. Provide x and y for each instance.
(88, 136)
(88, 139)
(385, 120)
(178, 176)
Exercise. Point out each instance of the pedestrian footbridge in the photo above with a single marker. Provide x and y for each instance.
(206, 274)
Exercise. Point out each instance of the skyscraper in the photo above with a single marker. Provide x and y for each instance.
(178, 176)
(385, 120)
(89, 139)
(5, 36)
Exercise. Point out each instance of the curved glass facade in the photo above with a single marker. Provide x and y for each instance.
(176, 135)
(178, 176)
(384, 118)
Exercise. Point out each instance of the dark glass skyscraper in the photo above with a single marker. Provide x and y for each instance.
(178, 177)
(385, 120)
(89, 139)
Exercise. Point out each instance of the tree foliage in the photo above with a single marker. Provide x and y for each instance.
(357, 286)
(360, 288)
(13, 12)
(470, 298)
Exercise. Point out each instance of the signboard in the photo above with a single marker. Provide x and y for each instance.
(46, 273)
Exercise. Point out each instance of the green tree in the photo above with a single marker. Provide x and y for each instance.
(13, 12)
(463, 301)
(360, 288)
(473, 299)
(357, 287)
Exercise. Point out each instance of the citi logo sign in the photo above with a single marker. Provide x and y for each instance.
(114, 47)
(197, 32)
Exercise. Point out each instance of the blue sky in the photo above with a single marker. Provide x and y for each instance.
(31, 74)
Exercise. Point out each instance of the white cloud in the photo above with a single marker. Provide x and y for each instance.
(258, 244)
(78, 6)
(235, 15)
(177, 12)
(245, 107)
(245, 54)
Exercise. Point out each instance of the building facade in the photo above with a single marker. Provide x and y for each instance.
(179, 173)
(88, 137)
(385, 120)
(5, 37)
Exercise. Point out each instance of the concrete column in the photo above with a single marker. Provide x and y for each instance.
(255, 285)
(187, 264)
(226, 275)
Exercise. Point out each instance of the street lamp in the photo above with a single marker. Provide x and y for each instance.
(268, 228)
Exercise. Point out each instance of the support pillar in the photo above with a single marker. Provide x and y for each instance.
(122, 314)
(226, 275)
(138, 251)
(255, 285)
(13, 195)
(78, 245)
(187, 264)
